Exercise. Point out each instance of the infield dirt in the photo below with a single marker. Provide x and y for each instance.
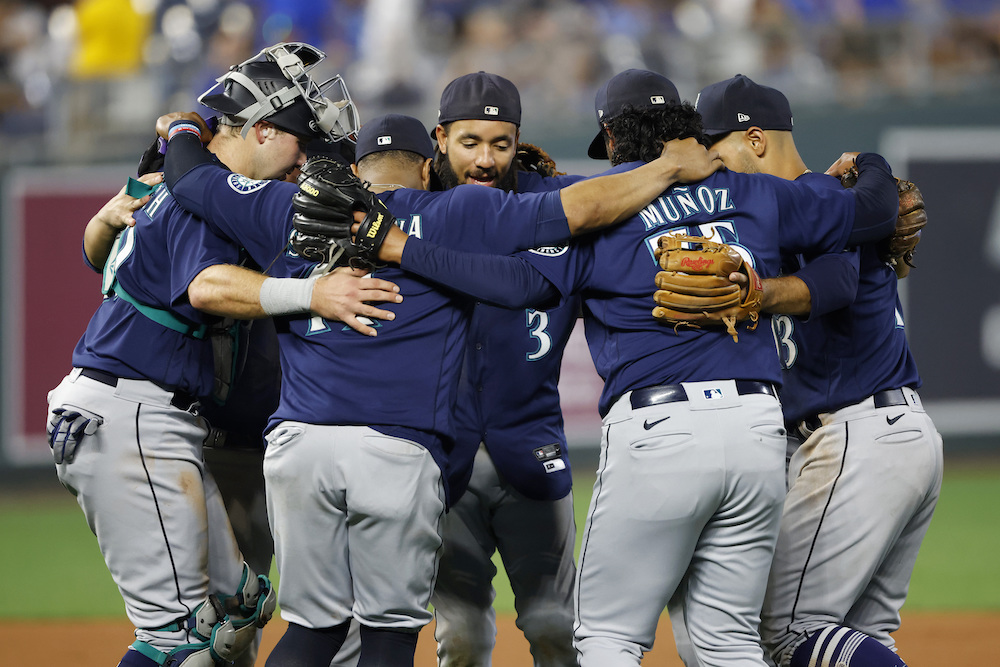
(925, 640)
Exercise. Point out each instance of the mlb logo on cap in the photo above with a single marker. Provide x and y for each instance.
(480, 96)
(636, 88)
(393, 132)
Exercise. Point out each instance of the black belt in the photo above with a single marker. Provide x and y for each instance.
(889, 398)
(882, 399)
(672, 393)
(180, 399)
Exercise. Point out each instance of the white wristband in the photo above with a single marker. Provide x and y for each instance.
(287, 296)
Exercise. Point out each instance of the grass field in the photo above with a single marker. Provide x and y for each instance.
(54, 569)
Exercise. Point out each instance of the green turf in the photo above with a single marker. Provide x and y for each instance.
(54, 569)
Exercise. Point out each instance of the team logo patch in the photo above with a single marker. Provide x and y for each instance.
(742, 117)
(491, 111)
(244, 185)
(384, 140)
(551, 250)
(657, 99)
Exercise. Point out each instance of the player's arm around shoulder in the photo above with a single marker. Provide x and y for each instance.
(343, 295)
(606, 200)
(826, 283)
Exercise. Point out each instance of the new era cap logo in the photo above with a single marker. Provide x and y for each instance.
(491, 111)
(657, 99)
(384, 140)
(742, 117)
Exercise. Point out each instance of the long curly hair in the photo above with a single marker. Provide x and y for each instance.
(639, 133)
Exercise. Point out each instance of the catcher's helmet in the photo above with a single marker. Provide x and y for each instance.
(275, 86)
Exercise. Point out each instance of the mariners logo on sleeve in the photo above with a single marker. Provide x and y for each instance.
(550, 251)
(244, 185)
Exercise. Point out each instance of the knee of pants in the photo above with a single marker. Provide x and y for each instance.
(549, 631)
(465, 650)
(603, 651)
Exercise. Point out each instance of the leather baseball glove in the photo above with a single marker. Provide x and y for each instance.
(694, 289)
(897, 250)
(329, 194)
(534, 158)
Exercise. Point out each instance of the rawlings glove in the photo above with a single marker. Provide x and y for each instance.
(694, 286)
(897, 250)
(66, 428)
(329, 194)
(533, 158)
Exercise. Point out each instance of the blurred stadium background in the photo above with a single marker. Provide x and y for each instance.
(81, 84)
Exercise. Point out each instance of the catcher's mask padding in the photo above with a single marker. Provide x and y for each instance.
(275, 86)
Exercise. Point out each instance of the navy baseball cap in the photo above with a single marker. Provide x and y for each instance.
(737, 104)
(480, 96)
(639, 88)
(393, 132)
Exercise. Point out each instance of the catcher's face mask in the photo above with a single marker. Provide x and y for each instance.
(331, 112)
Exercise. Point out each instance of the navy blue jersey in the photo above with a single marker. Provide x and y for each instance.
(843, 356)
(509, 390)
(761, 216)
(406, 377)
(154, 262)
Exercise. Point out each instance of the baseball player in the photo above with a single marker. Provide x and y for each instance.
(353, 467)
(510, 448)
(866, 461)
(690, 483)
(124, 425)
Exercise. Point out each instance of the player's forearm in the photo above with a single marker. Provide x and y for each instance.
(607, 200)
(184, 154)
(508, 282)
(98, 239)
(787, 295)
(877, 200)
(228, 291)
(831, 280)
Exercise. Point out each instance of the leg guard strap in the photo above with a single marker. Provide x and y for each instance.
(186, 655)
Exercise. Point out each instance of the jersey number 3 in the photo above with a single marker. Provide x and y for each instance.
(537, 320)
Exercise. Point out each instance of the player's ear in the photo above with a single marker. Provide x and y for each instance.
(425, 174)
(757, 140)
(264, 131)
(354, 169)
(442, 138)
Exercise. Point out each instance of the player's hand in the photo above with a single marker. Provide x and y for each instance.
(344, 295)
(119, 212)
(164, 121)
(66, 428)
(842, 165)
(391, 249)
(694, 162)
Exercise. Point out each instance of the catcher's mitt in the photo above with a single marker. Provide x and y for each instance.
(329, 194)
(897, 250)
(533, 158)
(695, 289)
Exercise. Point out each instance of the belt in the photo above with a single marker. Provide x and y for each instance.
(889, 398)
(882, 399)
(672, 393)
(180, 399)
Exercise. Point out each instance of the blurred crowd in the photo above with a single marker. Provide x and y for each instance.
(83, 79)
